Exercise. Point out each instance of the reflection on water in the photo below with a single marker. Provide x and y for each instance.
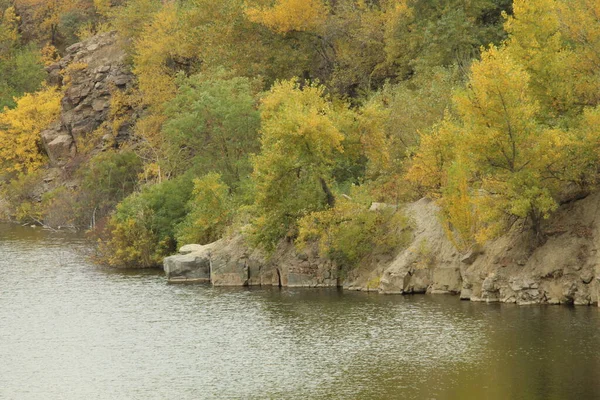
(70, 330)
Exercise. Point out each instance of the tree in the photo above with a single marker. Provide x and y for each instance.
(291, 15)
(512, 155)
(20, 142)
(213, 125)
(536, 41)
(292, 173)
(423, 34)
(209, 211)
(47, 16)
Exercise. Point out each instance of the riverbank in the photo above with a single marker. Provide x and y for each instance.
(511, 269)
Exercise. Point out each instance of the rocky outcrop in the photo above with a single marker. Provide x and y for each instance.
(231, 262)
(191, 265)
(514, 268)
(511, 269)
(561, 271)
(92, 71)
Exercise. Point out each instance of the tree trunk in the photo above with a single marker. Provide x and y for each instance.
(536, 225)
(328, 193)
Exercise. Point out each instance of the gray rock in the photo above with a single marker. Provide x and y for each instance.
(446, 280)
(59, 147)
(587, 277)
(85, 105)
(382, 206)
(191, 248)
(102, 69)
(100, 104)
(469, 258)
(193, 267)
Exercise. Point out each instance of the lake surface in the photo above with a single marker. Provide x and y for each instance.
(71, 330)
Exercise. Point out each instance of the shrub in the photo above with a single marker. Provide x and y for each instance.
(142, 230)
(105, 181)
(350, 233)
(210, 211)
(22, 194)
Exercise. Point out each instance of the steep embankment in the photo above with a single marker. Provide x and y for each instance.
(91, 76)
(509, 269)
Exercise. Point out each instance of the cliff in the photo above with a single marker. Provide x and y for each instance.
(92, 72)
(510, 269)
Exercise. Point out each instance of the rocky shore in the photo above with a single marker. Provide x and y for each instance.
(510, 269)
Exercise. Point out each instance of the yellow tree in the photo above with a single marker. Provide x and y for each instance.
(292, 173)
(511, 153)
(161, 44)
(537, 43)
(558, 43)
(580, 25)
(9, 31)
(291, 15)
(427, 169)
(20, 146)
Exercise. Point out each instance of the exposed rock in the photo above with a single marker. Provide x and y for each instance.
(303, 268)
(191, 248)
(510, 269)
(96, 68)
(446, 280)
(230, 262)
(189, 266)
(471, 256)
(60, 147)
(382, 206)
(412, 271)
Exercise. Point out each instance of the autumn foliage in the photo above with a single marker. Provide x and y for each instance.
(286, 119)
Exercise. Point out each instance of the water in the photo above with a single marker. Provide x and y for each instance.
(70, 330)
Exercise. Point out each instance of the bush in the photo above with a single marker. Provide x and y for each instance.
(350, 233)
(142, 230)
(21, 73)
(105, 181)
(22, 194)
(210, 211)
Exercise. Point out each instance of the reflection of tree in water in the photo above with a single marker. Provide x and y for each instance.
(371, 346)
(540, 353)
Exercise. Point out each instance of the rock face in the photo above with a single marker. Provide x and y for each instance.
(92, 71)
(561, 271)
(511, 269)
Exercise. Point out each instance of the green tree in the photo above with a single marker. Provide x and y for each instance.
(213, 125)
(141, 232)
(513, 157)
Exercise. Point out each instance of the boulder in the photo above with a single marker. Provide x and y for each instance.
(59, 146)
(193, 267)
(189, 266)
